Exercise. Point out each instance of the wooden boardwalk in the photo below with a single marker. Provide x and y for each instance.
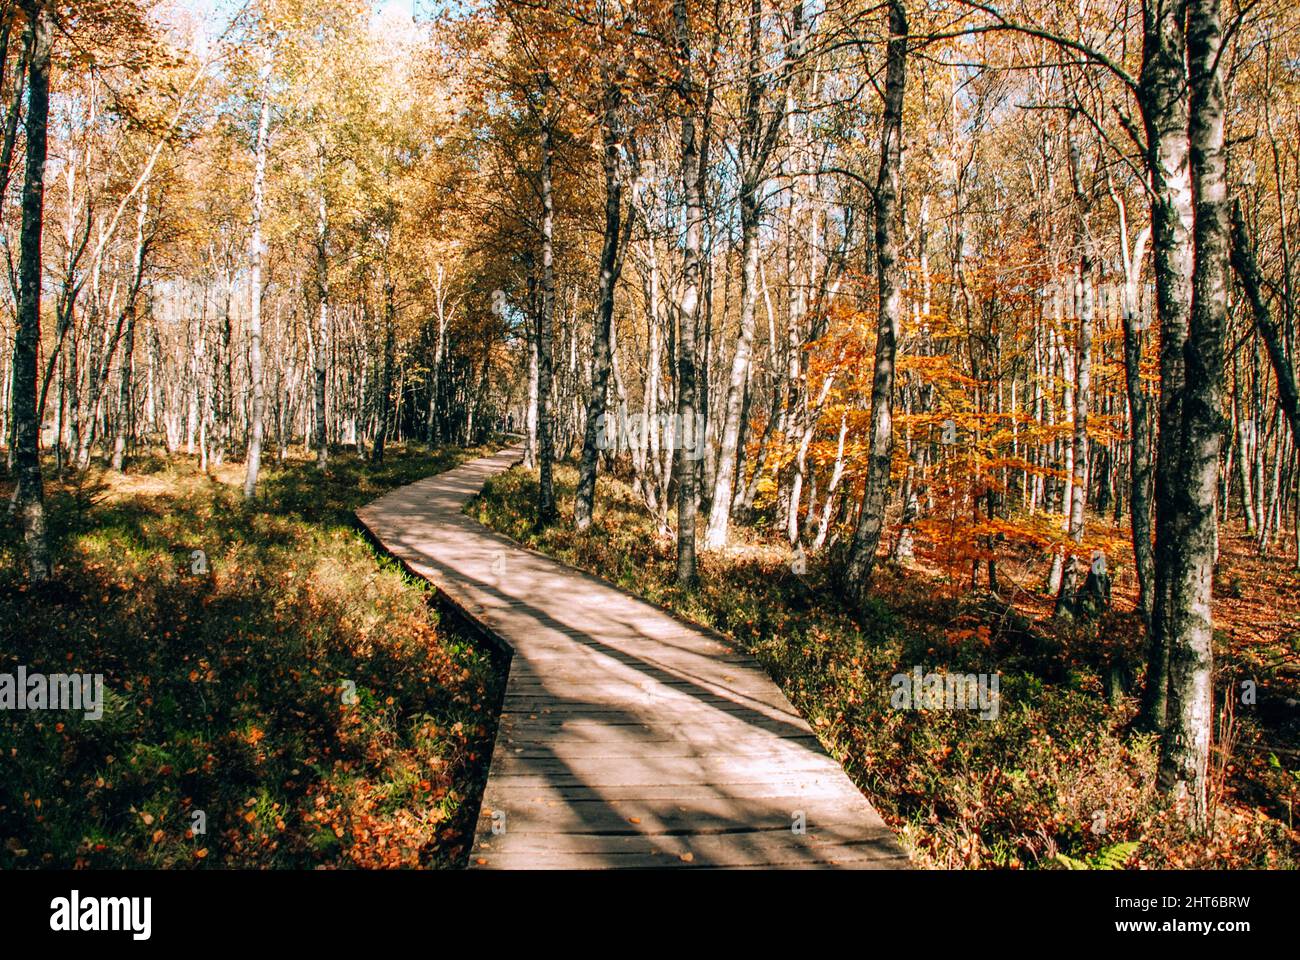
(627, 738)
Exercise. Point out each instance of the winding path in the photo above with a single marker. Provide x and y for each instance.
(627, 738)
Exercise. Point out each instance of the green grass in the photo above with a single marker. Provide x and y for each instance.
(230, 693)
(1055, 781)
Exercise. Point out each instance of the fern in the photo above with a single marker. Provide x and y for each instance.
(1070, 863)
(1113, 857)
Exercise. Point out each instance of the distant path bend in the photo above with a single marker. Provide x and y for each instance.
(627, 738)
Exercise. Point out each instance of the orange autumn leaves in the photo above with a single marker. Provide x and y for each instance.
(979, 455)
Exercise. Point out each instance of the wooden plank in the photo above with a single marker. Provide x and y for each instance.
(628, 738)
(502, 793)
(819, 817)
(651, 749)
(651, 709)
(761, 845)
(731, 850)
(632, 771)
(544, 725)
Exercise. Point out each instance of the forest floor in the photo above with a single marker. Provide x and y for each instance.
(1058, 779)
(289, 691)
(306, 700)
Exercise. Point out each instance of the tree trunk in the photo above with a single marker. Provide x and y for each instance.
(125, 400)
(757, 142)
(433, 431)
(1163, 99)
(1185, 748)
(729, 438)
(600, 348)
(862, 556)
(1071, 575)
(322, 330)
(384, 398)
(688, 309)
(122, 420)
(1139, 415)
(534, 381)
(546, 510)
(253, 461)
(29, 498)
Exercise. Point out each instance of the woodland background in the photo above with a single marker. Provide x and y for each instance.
(984, 314)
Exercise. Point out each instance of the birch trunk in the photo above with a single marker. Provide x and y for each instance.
(1162, 97)
(253, 461)
(688, 308)
(322, 328)
(1185, 748)
(546, 510)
